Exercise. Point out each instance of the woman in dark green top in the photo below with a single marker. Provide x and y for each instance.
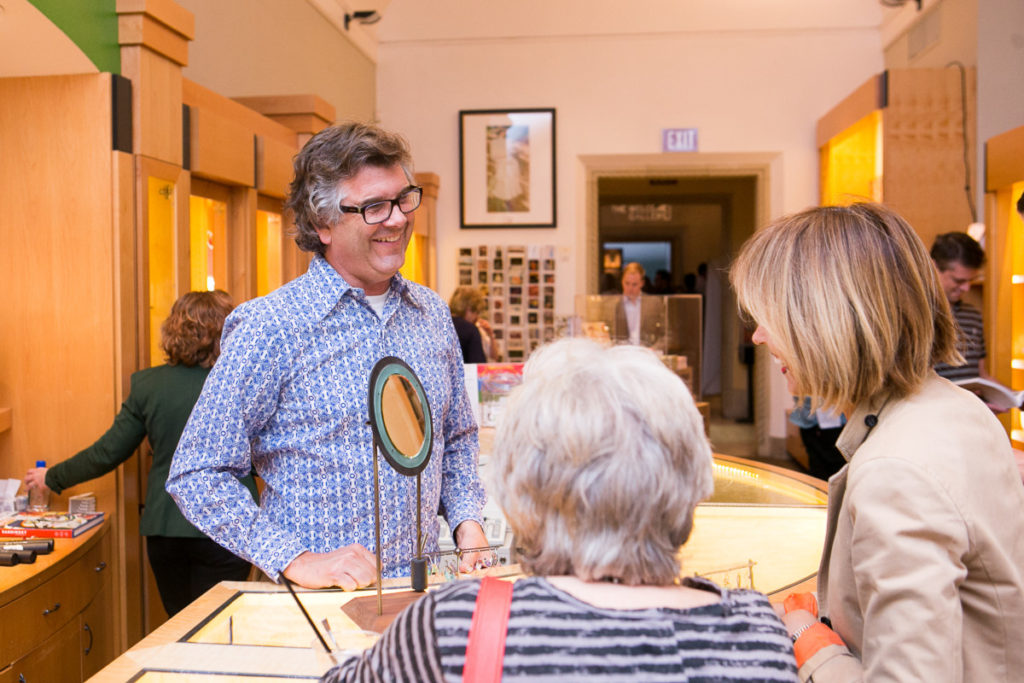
(185, 562)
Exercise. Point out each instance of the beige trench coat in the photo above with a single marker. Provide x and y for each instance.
(922, 570)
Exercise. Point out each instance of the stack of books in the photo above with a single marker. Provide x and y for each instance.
(50, 524)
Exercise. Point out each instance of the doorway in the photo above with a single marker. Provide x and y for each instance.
(704, 206)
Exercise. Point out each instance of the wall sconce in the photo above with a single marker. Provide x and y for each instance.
(365, 17)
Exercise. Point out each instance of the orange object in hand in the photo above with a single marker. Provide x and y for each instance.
(797, 601)
(813, 639)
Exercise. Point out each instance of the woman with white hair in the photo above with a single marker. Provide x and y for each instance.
(599, 462)
(921, 574)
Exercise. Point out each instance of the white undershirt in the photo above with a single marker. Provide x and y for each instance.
(377, 303)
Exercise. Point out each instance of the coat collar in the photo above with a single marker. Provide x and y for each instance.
(859, 425)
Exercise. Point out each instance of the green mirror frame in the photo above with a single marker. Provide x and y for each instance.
(385, 369)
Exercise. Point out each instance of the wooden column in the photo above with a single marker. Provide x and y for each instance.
(305, 115)
(154, 37)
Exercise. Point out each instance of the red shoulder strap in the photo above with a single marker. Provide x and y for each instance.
(485, 649)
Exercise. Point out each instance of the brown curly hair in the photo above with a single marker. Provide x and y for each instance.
(191, 333)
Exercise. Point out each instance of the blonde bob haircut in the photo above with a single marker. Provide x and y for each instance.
(599, 461)
(851, 301)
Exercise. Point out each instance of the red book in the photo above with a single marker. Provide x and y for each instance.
(50, 524)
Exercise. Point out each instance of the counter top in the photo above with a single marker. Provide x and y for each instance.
(764, 526)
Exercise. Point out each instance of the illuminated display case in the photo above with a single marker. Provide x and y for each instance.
(671, 325)
(1004, 297)
(764, 527)
(421, 254)
(900, 139)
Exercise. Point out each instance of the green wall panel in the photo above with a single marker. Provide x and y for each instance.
(91, 25)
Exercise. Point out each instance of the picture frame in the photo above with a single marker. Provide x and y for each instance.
(507, 168)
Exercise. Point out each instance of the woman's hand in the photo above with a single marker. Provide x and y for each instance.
(35, 478)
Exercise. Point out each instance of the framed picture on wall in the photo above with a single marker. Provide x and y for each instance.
(507, 168)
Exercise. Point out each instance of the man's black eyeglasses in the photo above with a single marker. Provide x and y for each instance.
(378, 212)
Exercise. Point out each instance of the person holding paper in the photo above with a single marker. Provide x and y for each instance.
(958, 260)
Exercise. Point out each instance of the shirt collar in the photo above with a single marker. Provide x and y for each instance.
(858, 426)
(329, 288)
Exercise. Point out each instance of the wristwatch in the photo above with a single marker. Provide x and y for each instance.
(800, 631)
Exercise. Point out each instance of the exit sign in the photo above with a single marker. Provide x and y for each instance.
(679, 140)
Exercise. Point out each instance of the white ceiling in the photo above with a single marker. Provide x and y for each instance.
(417, 20)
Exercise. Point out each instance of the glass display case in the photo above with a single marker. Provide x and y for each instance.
(671, 325)
(1004, 271)
(763, 528)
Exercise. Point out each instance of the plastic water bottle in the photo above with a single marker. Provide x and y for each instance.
(38, 497)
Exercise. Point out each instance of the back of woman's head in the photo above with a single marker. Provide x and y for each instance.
(851, 300)
(191, 333)
(599, 460)
(466, 298)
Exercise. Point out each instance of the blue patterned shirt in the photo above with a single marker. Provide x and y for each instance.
(289, 395)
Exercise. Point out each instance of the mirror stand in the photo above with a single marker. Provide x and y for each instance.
(376, 529)
(418, 564)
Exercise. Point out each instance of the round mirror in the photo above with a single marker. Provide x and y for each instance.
(400, 416)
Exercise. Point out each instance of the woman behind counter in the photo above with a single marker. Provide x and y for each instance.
(184, 561)
(921, 572)
(598, 464)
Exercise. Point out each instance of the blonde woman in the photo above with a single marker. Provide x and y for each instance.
(599, 462)
(921, 572)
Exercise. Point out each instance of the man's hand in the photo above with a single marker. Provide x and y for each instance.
(470, 534)
(350, 567)
(35, 478)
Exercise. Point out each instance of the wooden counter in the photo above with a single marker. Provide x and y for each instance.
(241, 631)
(56, 623)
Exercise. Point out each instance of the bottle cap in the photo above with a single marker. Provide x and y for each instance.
(40, 463)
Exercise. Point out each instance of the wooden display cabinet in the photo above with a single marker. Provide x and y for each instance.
(68, 301)
(900, 139)
(1004, 297)
(421, 254)
(55, 618)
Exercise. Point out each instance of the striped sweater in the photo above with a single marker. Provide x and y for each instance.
(553, 636)
(970, 343)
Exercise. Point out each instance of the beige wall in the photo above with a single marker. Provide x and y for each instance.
(752, 80)
(745, 89)
(278, 47)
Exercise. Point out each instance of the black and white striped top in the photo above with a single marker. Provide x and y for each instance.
(970, 343)
(553, 636)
